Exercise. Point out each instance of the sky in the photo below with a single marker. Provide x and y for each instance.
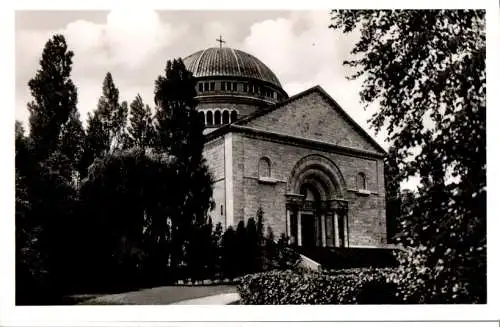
(134, 47)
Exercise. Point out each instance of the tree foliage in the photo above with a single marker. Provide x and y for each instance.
(426, 72)
(46, 164)
(141, 129)
(179, 133)
(54, 97)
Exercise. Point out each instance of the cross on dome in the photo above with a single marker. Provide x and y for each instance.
(220, 40)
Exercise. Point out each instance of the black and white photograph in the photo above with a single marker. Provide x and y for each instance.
(250, 157)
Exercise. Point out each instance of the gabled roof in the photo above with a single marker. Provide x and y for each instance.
(328, 98)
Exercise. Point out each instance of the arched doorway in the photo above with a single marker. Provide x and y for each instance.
(317, 214)
(310, 222)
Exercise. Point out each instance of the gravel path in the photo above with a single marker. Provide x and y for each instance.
(171, 295)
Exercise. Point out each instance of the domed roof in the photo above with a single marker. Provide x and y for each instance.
(229, 62)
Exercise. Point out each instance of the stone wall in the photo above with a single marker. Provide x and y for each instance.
(213, 152)
(313, 117)
(366, 211)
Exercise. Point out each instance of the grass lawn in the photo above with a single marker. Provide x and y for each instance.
(160, 295)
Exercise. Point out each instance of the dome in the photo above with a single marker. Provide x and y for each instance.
(231, 84)
(228, 62)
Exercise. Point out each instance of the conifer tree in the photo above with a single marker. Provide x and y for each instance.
(107, 107)
(73, 143)
(179, 134)
(50, 163)
(141, 129)
(106, 126)
(230, 253)
(94, 142)
(55, 97)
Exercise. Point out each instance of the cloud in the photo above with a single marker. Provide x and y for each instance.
(123, 45)
(304, 52)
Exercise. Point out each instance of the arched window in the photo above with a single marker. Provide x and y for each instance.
(264, 167)
(210, 118)
(225, 117)
(201, 116)
(217, 117)
(361, 181)
(234, 116)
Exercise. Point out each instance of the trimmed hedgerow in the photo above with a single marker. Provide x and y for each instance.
(349, 286)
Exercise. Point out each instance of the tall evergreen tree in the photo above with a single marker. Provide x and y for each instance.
(119, 127)
(231, 253)
(106, 126)
(73, 143)
(179, 134)
(55, 97)
(94, 145)
(45, 175)
(141, 129)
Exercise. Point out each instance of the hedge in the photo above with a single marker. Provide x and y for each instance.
(349, 286)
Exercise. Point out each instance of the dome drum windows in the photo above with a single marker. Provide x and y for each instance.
(249, 88)
(234, 116)
(217, 120)
(210, 118)
(217, 117)
(225, 117)
(206, 86)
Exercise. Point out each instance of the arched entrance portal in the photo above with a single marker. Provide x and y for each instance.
(317, 214)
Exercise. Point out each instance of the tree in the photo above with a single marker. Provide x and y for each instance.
(392, 194)
(231, 253)
(30, 264)
(94, 144)
(45, 167)
(118, 126)
(426, 72)
(122, 194)
(55, 97)
(108, 120)
(73, 143)
(216, 262)
(179, 134)
(252, 257)
(106, 126)
(141, 129)
(270, 250)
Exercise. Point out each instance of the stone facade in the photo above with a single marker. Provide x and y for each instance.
(307, 139)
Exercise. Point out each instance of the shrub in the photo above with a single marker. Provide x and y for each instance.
(351, 286)
(425, 278)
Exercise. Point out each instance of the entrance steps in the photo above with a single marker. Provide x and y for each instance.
(317, 258)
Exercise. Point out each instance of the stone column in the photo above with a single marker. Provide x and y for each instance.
(330, 237)
(336, 228)
(288, 227)
(299, 229)
(323, 230)
(346, 235)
